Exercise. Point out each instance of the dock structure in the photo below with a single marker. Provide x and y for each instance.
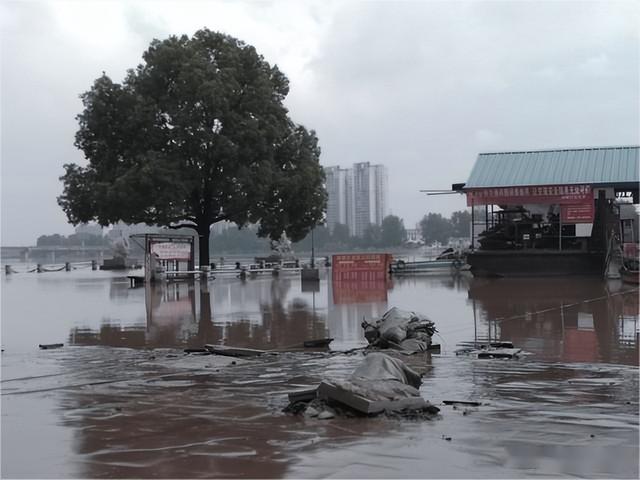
(437, 266)
(551, 212)
(166, 254)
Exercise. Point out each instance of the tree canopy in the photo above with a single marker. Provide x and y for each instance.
(435, 228)
(196, 134)
(393, 231)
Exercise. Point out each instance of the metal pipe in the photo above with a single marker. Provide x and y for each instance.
(560, 229)
(473, 221)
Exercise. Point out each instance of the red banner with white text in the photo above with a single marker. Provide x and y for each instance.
(543, 194)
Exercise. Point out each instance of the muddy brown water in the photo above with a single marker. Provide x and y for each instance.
(120, 399)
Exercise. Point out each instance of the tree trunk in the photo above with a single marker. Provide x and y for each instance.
(203, 242)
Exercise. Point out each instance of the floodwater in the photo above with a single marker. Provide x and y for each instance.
(120, 399)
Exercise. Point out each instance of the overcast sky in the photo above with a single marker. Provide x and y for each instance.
(421, 87)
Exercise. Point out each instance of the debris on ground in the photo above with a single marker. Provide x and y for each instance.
(233, 351)
(319, 343)
(380, 384)
(400, 330)
(497, 353)
(49, 346)
(503, 349)
(461, 402)
(197, 350)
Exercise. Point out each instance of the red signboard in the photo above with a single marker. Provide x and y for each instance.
(543, 194)
(376, 263)
(577, 213)
(360, 277)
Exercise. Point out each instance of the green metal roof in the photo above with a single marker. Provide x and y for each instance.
(605, 165)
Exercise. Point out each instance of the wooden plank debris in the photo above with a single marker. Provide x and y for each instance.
(233, 351)
(196, 350)
(461, 402)
(498, 353)
(49, 346)
(319, 343)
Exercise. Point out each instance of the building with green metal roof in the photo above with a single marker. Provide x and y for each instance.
(602, 166)
(558, 210)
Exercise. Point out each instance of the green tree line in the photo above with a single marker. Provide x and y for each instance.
(390, 234)
(436, 228)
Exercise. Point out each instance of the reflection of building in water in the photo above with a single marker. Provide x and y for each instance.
(171, 313)
(552, 319)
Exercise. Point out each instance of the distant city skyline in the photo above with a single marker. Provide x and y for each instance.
(357, 196)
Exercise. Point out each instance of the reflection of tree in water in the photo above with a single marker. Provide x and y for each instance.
(182, 314)
(580, 331)
(280, 327)
(207, 332)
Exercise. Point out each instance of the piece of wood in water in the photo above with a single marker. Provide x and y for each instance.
(49, 346)
(434, 347)
(501, 344)
(329, 391)
(499, 353)
(303, 395)
(461, 402)
(321, 342)
(196, 350)
(233, 351)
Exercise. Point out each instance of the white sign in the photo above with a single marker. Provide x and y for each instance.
(171, 251)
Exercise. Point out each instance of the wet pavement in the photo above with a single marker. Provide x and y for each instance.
(120, 399)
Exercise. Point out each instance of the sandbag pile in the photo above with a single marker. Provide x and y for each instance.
(400, 329)
(380, 384)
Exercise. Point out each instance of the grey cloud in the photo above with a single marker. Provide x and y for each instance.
(419, 86)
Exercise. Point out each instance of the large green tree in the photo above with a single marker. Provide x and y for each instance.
(196, 134)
